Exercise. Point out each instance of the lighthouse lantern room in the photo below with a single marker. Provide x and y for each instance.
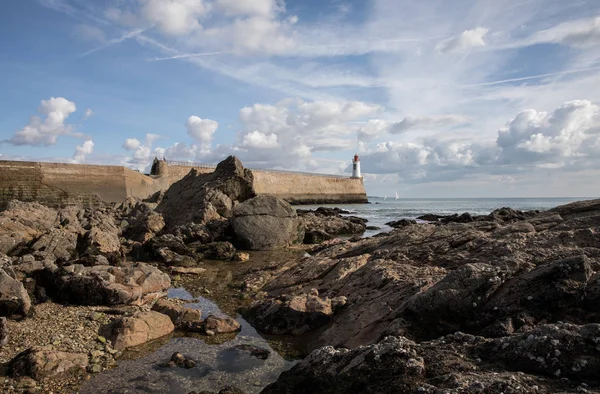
(356, 167)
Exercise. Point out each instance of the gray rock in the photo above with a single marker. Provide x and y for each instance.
(14, 299)
(266, 223)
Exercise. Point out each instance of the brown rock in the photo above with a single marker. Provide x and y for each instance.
(221, 325)
(140, 328)
(178, 314)
(41, 362)
(14, 299)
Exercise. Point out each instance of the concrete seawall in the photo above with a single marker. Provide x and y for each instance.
(60, 183)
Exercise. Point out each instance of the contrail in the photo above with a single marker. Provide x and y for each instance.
(185, 55)
(532, 77)
(113, 42)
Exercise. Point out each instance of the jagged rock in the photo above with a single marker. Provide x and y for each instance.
(293, 315)
(14, 299)
(21, 222)
(181, 361)
(266, 223)
(324, 223)
(144, 223)
(200, 198)
(140, 328)
(136, 283)
(59, 242)
(555, 350)
(391, 366)
(41, 362)
(178, 314)
(216, 251)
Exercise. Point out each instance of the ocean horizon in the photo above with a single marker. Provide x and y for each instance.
(379, 211)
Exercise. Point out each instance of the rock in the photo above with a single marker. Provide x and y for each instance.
(14, 299)
(217, 251)
(181, 361)
(200, 198)
(188, 271)
(266, 223)
(41, 362)
(221, 325)
(178, 314)
(241, 256)
(140, 328)
(254, 351)
(554, 350)
(136, 283)
(102, 238)
(59, 242)
(143, 223)
(295, 315)
(401, 223)
(3, 331)
(21, 222)
(324, 223)
(312, 237)
(430, 217)
(391, 366)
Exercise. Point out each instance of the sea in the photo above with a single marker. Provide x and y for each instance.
(380, 211)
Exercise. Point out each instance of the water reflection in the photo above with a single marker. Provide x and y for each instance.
(247, 361)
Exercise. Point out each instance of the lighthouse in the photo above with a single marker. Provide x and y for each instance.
(356, 167)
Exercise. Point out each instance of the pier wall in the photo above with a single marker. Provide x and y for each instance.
(62, 183)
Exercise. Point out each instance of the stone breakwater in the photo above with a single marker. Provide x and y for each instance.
(505, 302)
(58, 184)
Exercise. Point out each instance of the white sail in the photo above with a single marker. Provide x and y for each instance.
(385, 197)
(396, 196)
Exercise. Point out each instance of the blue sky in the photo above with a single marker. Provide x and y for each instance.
(440, 99)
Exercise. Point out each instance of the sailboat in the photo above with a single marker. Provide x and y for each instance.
(385, 197)
(396, 196)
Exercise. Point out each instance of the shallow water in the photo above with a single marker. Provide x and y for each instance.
(218, 362)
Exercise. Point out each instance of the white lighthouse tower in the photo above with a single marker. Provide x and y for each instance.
(356, 167)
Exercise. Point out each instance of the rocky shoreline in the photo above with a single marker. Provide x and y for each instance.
(506, 302)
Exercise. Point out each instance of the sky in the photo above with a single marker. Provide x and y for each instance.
(462, 98)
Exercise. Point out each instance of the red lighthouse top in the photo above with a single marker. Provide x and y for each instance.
(356, 157)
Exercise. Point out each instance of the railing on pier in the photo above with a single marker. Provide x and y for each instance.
(213, 166)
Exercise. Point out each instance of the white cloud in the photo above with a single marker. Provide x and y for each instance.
(131, 144)
(569, 136)
(256, 139)
(174, 17)
(45, 132)
(201, 130)
(582, 33)
(550, 138)
(88, 114)
(82, 151)
(427, 122)
(466, 40)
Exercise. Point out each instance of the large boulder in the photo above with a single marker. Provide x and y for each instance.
(140, 328)
(266, 223)
(201, 198)
(136, 284)
(14, 299)
(41, 362)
